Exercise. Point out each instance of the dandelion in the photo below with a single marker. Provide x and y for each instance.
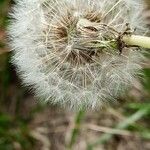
(72, 52)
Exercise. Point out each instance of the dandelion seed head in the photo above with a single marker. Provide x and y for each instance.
(65, 49)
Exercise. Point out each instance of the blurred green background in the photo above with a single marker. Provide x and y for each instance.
(27, 125)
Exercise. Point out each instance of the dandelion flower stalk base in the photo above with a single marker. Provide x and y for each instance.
(120, 40)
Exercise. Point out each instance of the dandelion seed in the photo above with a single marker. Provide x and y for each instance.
(67, 51)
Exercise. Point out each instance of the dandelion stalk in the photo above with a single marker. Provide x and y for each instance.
(137, 40)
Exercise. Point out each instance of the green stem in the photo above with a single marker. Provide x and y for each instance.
(137, 40)
(76, 130)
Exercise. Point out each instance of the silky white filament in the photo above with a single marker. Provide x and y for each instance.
(66, 50)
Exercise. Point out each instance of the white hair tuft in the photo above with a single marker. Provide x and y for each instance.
(61, 49)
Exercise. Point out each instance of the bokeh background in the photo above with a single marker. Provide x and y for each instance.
(25, 124)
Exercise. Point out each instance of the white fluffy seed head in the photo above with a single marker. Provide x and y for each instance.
(65, 49)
